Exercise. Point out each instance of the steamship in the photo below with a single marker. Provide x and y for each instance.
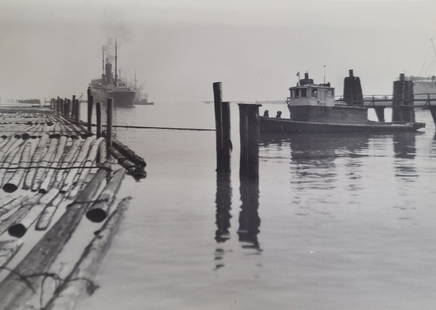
(313, 108)
(111, 86)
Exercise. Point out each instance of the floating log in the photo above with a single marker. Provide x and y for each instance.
(81, 158)
(54, 164)
(11, 205)
(129, 153)
(67, 294)
(38, 153)
(20, 227)
(68, 161)
(24, 206)
(45, 161)
(8, 249)
(47, 214)
(11, 158)
(13, 290)
(99, 211)
(137, 172)
(83, 174)
(14, 182)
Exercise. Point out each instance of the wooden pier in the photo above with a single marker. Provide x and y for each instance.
(53, 171)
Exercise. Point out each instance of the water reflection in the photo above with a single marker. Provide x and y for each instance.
(249, 220)
(404, 150)
(223, 201)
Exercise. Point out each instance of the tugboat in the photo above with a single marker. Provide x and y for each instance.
(111, 86)
(313, 108)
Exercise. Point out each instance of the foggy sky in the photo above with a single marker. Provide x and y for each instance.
(178, 48)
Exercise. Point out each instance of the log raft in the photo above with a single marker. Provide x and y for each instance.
(53, 171)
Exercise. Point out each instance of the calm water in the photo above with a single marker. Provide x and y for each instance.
(336, 222)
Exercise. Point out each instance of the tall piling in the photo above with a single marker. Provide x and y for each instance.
(90, 107)
(222, 127)
(98, 119)
(402, 101)
(249, 131)
(353, 89)
(77, 112)
(109, 128)
(74, 107)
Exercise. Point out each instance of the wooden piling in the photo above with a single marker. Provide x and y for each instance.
(98, 118)
(90, 106)
(109, 128)
(402, 101)
(73, 108)
(222, 130)
(249, 130)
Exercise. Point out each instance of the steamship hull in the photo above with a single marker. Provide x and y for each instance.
(119, 98)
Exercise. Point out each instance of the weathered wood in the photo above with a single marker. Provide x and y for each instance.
(128, 153)
(98, 118)
(67, 295)
(24, 206)
(90, 107)
(20, 226)
(249, 134)
(11, 159)
(47, 214)
(109, 127)
(38, 153)
(45, 162)
(81, 158)
(69, 160)
(8, 249)
(13, 290)
(99, 210)
(11, 205)
(15, 181)
(55, 163)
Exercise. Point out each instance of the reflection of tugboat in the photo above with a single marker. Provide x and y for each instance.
(110, 86)
(313, 108)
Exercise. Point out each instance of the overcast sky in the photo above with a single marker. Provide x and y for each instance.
(179, 47)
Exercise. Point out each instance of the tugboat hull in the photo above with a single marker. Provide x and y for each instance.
(271, 125)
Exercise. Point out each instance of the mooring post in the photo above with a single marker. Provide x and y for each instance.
(109, 128)
(74, 107)
(249, 130)
(90, 106)
(218, 126)
(98, 119)
(402, 100)
(432, 108)
(77, 115)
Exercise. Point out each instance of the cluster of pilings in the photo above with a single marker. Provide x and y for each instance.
(249, 130)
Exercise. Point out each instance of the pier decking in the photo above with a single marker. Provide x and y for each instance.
(53, 171)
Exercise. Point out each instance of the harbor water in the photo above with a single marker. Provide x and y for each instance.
(335, 221)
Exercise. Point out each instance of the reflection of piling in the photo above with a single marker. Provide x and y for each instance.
(223, 206)
(90, 107)
(402, 101)
(222, 126)
(109, 128)
(249, 131)
(249, 220)
(98, 119)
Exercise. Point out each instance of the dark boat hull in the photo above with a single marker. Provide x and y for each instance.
(272, 125)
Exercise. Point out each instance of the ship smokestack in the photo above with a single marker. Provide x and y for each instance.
(116, 60)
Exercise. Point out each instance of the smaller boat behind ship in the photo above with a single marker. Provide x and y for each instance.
(313, 109)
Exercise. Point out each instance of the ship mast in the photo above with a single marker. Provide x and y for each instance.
(102, 59)
(116, 60)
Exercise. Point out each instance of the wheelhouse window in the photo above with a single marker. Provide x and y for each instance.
(303, 92)
(297, 93)
(315, 92)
